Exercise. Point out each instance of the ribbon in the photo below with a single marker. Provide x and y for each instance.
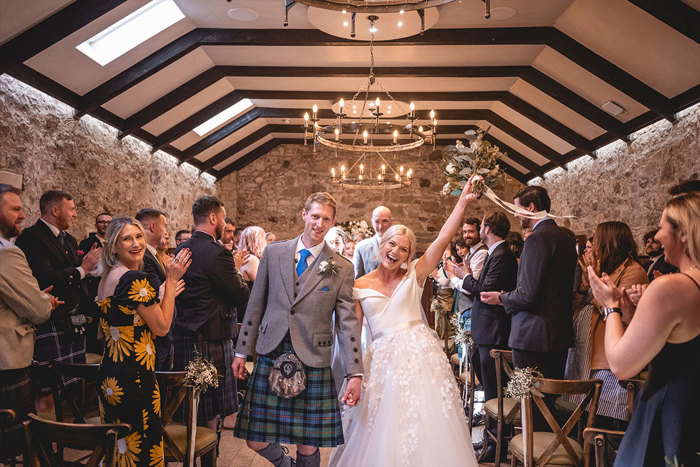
(513, 209)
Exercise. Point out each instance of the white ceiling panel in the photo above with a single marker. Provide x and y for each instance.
(531, 128)
(20, 15)
(243, 152)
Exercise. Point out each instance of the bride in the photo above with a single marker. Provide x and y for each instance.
(410, 412)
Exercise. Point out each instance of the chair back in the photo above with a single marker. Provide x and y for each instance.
(605, 444)
(173, 394)
(591, 391)
(78, 402)
(504, 364)
(7, 416)
(44, 376)
(100, 439)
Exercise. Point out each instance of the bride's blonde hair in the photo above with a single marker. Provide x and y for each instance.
(399, 229)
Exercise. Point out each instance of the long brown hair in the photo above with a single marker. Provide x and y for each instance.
(613, 244)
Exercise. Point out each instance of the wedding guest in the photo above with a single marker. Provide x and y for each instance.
(349, 250)
(515, 243)
(52, 254)
(182, 236)
(665, 334)
(237, 235)
(358, 237)
(93, 343)
(366, 251)
(336, 238)
(228, 234)
(270, 237)
(657, 265)
(490, 324)
(206, 310)
(162, 250)
(444, 293)
(253, 241)
(155, 225)
(689, 186)
(131, 312)
(615, 254)
(22, 306)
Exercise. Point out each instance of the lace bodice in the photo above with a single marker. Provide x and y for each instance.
(386, 313)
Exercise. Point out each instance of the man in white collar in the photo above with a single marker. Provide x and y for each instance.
(365, 257)
(52, 254)
(474, 261)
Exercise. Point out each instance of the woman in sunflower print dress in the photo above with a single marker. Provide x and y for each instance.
(130, 315)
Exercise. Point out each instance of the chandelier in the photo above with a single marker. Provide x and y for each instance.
(359, 120)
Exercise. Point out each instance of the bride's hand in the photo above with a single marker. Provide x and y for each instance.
(352, 391)
(467, 194)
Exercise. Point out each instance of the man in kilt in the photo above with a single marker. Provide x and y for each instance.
(206, 310)
(22, 306)
(52, 254)
(301, 284)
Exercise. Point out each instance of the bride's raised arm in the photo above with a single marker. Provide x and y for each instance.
(433, 254)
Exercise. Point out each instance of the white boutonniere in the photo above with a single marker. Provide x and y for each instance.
(329, 268)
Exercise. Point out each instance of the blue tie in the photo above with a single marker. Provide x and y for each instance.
(301, 265)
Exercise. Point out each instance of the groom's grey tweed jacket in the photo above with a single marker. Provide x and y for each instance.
(276, 306)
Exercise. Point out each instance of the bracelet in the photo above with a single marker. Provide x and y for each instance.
(608, 311)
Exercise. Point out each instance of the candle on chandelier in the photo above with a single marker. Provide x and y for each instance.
(432, 114)
(306, 119)
(341, 104)
(413, 110)
(396, 136)
(315, 110)
(434, 122)
(360, 177)
(401, 170)
(409, 174)
(362, 169)
(337, 134)
(383, 169)
(364, 135)
(396, 176)
(420, 129)
(377, 102)
(342, 172)
(332, 172)
(379, 177)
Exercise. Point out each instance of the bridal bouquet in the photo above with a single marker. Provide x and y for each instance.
(352, 228)
(201, 373)
(479, 158)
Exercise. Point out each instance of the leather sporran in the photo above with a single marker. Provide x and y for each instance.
(287, 378)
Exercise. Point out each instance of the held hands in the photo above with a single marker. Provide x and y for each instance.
(491, 298)
(54, 300)
(238, 367)
(352, 391)
(89, 262)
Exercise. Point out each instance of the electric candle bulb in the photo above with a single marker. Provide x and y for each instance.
(341, 104)
(332, 172)
(360, 177)
(364, 135)
(379, 177)
(377, 102)
(383, 168)
(315, 110)
(413, 109)
(362, 168)
(401, 170)
(306, 120)
(410, 172)
(337, 134)
(396, 136)
(432, 114)
(420, 129)
(396, 176)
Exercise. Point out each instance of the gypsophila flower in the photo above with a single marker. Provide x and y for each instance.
(353, 228)
(521, 382)
(201, 374)
(461, 335)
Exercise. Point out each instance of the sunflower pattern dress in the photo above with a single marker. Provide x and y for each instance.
(128, 389)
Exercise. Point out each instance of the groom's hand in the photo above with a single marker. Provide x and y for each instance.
(238, 366)
(352, 391)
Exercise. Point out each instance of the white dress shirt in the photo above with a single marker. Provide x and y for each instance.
(476, 263)
(314, 250)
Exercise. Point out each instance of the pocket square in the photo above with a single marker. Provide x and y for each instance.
(325, 289)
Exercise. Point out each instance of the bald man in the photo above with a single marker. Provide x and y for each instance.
(365, 257)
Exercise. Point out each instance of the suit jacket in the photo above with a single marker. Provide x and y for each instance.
(275, 308)
(156, 276)
(365, 257)
(53, 264)
(541, 305)
(490, 323)
(660, 265)
(22, 306)
(86, 243)
(213, 290)
(92, 282)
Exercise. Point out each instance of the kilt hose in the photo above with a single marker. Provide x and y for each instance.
(312, 418)
(16, 394)
(221, 401)
(52, 344)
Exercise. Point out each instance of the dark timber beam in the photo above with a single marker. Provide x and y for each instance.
(241, 145)
(681, 17)
(56, 27)
(141, 70)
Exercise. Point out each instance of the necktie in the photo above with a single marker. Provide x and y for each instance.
(301, 265)
(62, 238)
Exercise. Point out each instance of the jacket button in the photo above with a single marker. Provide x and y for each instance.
(250, 323)
(245, 333)
(291, 312)
(319, 342)
(352, 339)
(297, 284)
(355, 349)
(243, 343)
(357, 361)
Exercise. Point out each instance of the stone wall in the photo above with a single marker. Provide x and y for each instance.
(271, 191)
(40, 140)
(628, 183)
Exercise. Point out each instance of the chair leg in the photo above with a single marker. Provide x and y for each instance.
(499, 442)
(513, 461)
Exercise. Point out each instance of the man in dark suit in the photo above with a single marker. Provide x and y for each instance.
(92, 343)
(541, 305)
(490, 323)
(155, 225)
(53, 257)
(206, 309)
(657, 265)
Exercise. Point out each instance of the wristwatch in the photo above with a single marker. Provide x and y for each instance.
(607, 311)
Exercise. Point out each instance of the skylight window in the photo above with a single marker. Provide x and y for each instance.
(221, 117)
(131, 31)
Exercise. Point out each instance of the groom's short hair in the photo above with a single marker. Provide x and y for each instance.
(320, 197)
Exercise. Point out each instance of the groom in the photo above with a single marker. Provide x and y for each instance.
(300, 284)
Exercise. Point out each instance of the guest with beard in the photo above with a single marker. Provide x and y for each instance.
(229, 232)
(657, 265)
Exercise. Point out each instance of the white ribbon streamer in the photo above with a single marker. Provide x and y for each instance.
(513, 209)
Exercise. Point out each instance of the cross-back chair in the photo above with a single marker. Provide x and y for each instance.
(605, 444)
(467, 379)
(83, 403)
(543, 448)
(7, 417)
(100, 439)
(183, 443)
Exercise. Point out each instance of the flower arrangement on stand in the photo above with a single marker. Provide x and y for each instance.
(352, 228)
(522, 381)
(201, 374)
(479, 158)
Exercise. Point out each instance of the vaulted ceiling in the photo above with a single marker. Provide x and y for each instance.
(539, 78)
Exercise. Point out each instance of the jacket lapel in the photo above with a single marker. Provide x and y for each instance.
(52, 242)
(287, 266)
(315, 275)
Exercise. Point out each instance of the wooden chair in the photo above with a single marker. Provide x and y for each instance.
(604, 442)
(81, 403)
(183, 443)
(45, 376)
(505, 410)
(464, 371)
(100, 439)
(543, 448)
(7, 416)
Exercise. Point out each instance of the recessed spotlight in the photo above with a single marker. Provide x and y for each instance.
(243, 14)
(344, 11)
(388, 112)
(345, 23)
(401, 12)
(354, 106)
(399, 24)
(389, 107)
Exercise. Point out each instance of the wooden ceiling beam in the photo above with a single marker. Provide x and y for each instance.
(54, 28)
(681, 17)
(241, 145)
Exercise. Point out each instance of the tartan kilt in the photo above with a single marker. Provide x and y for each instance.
(52, 344)
(221, 401)
(312, 418)
(16, 394)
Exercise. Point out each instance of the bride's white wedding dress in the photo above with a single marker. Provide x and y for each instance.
(410, 412)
